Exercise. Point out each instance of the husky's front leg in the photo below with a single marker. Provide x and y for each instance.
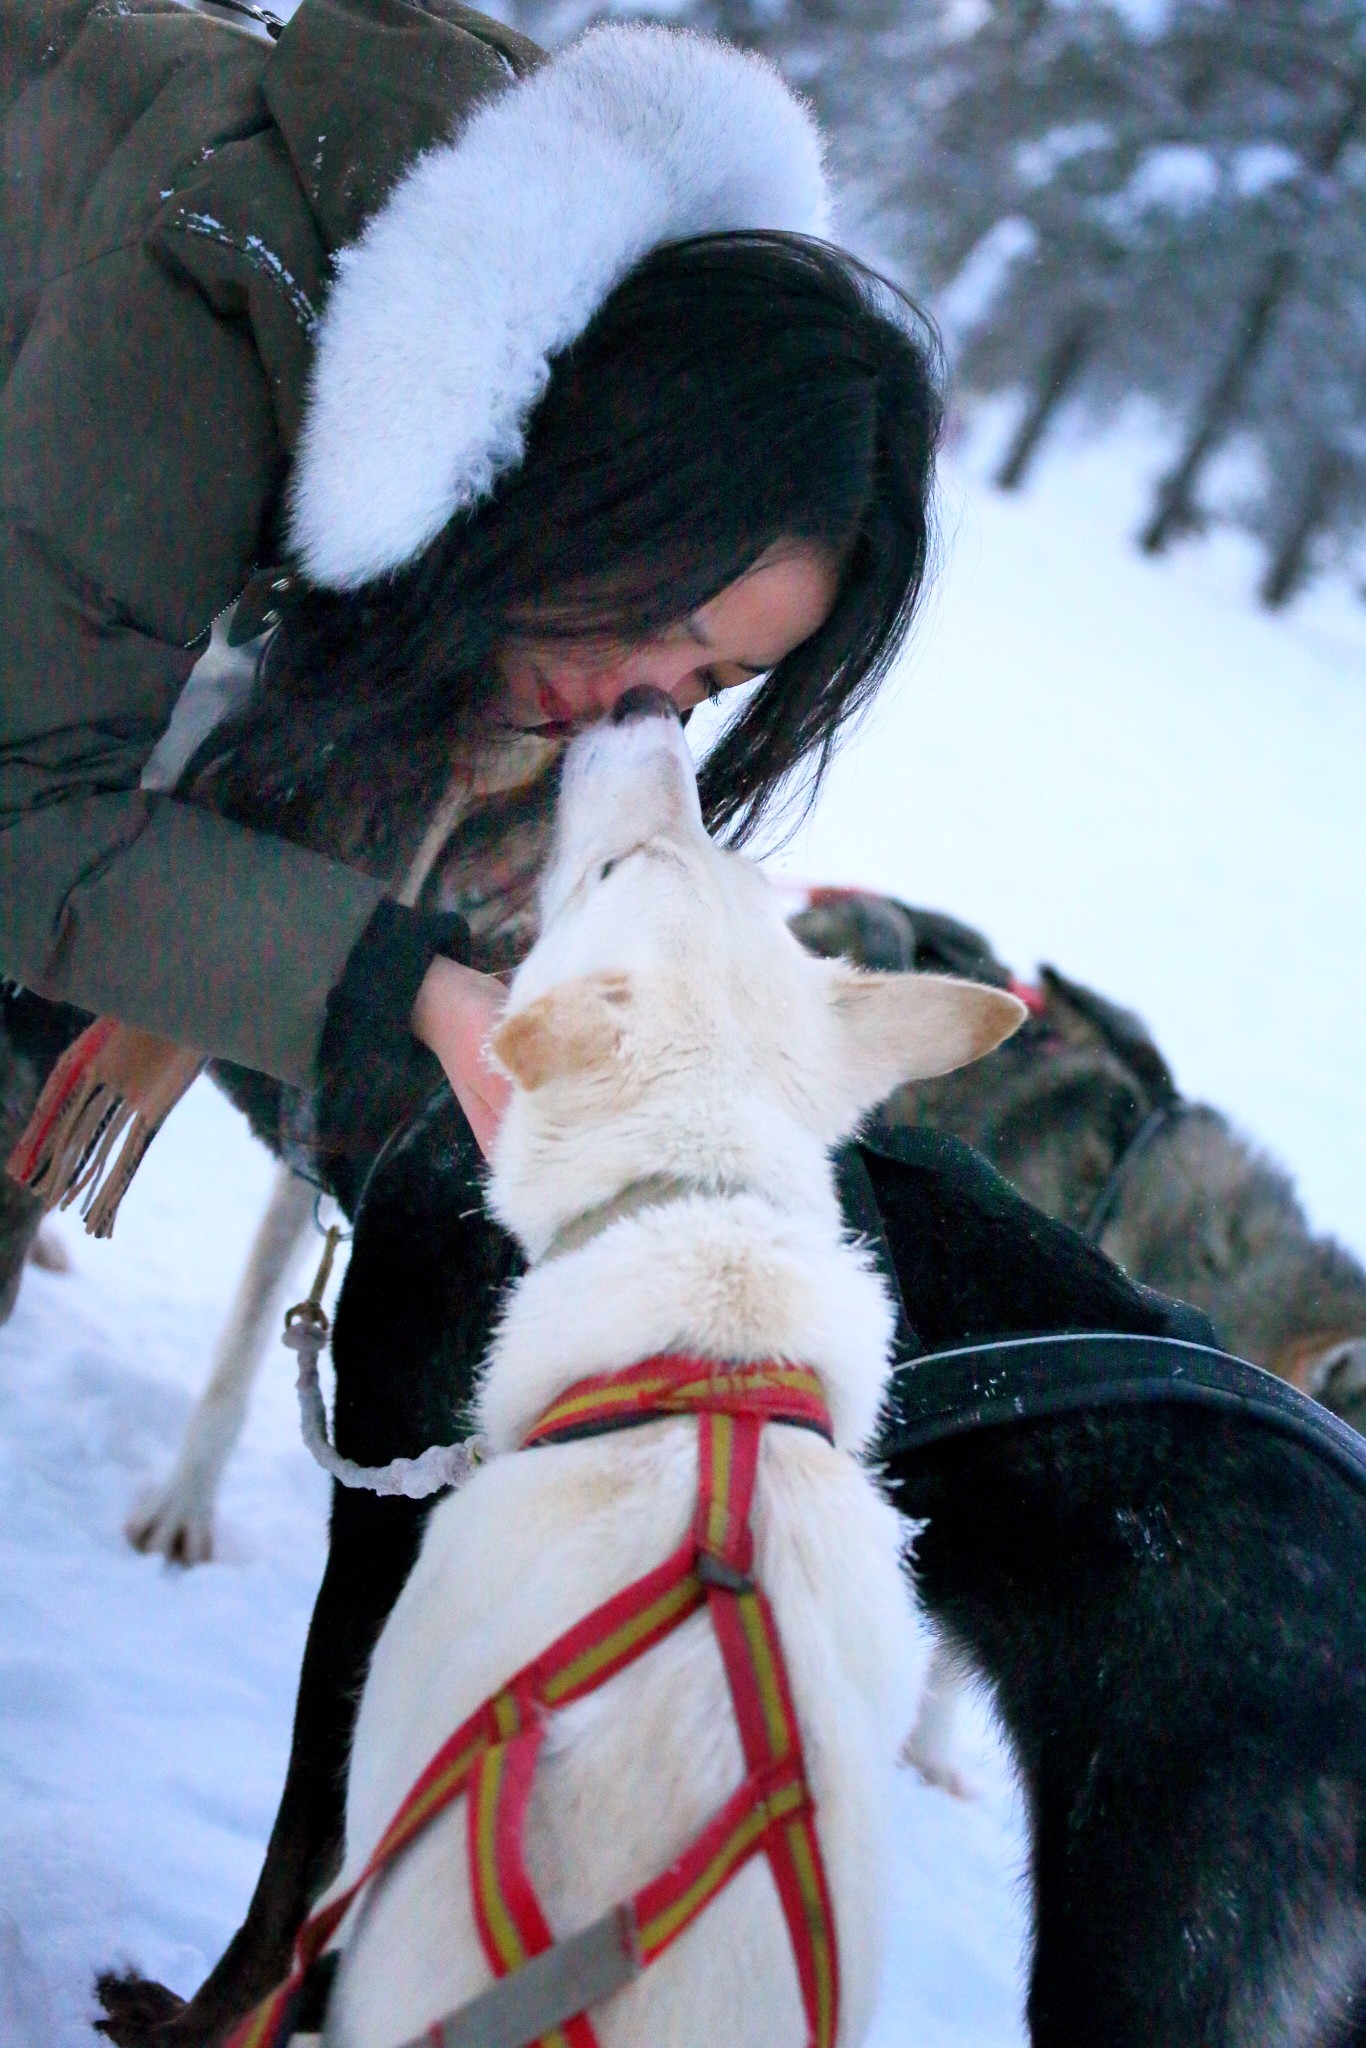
(178, 1521)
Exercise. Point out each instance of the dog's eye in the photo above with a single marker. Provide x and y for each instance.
(605, 870)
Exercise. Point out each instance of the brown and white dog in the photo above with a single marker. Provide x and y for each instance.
(666, 1034)
(1081, 1112)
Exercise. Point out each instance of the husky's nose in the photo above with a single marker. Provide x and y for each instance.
(643, 701)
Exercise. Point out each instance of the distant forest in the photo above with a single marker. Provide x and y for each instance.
(1100, 199)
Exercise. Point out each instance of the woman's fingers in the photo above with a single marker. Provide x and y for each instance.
(455, 1011)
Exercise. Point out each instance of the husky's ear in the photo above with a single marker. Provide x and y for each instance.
(907, 1027)
(569, 1030)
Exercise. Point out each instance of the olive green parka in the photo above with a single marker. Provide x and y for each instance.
(173, 186)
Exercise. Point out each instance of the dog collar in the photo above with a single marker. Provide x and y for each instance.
(651, 1191)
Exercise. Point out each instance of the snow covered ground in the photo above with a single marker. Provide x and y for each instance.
(1117, 766)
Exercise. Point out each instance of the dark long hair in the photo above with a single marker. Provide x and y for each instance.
(732, 391)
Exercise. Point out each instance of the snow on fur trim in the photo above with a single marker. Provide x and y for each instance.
(495, 251)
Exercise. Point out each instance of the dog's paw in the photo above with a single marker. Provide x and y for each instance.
(49, 1254)
(134, 2009)
(179, 1530)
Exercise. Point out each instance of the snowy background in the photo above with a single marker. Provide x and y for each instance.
(1121, 767)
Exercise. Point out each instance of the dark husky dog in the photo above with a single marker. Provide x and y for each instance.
(1168, 1602)
(33, 1035)
(1080, 1112)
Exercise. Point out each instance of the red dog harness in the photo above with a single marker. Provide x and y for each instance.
(546, 1986)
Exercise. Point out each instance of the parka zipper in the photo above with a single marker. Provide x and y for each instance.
(273, 24)
(262, 584)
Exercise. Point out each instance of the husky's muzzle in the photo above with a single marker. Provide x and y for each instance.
(644, 701)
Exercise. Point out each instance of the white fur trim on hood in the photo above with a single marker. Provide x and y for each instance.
(495, 251)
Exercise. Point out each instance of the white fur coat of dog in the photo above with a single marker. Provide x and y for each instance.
(667, 1023)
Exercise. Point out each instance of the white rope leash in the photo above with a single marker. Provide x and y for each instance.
(306, 1333)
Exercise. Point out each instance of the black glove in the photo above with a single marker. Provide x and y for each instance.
(373, 1074)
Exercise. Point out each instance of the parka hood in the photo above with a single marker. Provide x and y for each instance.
(495, 251)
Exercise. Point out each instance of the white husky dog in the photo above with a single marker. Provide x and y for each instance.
(682, 1068)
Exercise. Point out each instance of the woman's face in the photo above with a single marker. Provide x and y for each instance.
(742, 632)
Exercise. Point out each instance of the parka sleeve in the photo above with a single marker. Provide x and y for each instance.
(131, 904)
(141, 452)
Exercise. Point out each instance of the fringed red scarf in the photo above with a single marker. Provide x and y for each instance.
(105, 1101)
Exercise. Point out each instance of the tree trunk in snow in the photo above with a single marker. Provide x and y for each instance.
(1174, 510)
(1286, 569)
(1059, 375)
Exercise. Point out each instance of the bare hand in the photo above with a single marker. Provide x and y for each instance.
(455, 1011)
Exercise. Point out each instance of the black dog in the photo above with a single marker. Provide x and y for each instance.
(1169, 1604)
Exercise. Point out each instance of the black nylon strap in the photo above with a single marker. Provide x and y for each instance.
(987, 1386)
(1108, 1200)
